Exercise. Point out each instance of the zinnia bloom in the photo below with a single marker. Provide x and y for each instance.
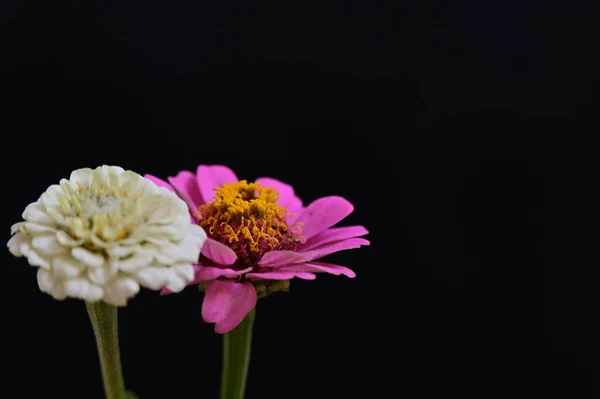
(260, 237)
(102, 233)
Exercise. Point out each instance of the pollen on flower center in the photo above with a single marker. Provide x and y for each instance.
(246, 217)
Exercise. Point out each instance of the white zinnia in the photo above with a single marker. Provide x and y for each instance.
(102, 233)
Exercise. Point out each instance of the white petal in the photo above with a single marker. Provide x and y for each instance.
(109, 169)
(183, 220)
(165, 192)
(129, 186)
(136, 238)
(16, 227)
(101, 275)
(188, 250)
(185, 271)
(68, 187)
(81, 288)
(169, 253)
(50, 284)
(47, 245)
(36, 259)
(97, 176)
(198, 232)
(154, 278)
(82, 176)
(152, 202)
(34, 228)
(50, 197)
(163, 215)
(176, 283)
(173, 232)
(88, 258)
(45, 281)
(58, 292)
(136, 261)
(147, 189)
(130, 177)
(113, 180)
(14, 244)
(25, 246)
(120, 290)
(120, 251)
(66, 266)
(35, 213)
(99, 242)
(67, 240)
(158, 241)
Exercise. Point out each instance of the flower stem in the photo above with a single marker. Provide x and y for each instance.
(236, 358)
(104, 321)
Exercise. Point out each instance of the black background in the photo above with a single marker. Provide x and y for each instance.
(458, 129)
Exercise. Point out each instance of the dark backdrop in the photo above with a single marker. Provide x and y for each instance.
(457, 130)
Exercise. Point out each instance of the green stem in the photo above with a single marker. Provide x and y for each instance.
(236, 359)
(104, 321)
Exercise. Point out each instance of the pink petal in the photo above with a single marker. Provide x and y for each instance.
(292, 217)
(208, 273)
(287, 198)
(331, 235)
(211, 177)
(319, 267)
(159, 182)
(226, 303)
(187, 188)
(336, 246)
(322, 214)
(218, 253)
(287, 275)
(281, 258)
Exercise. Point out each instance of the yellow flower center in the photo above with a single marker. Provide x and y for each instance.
(245, 217)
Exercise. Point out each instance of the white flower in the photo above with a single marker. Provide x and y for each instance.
(102, 233)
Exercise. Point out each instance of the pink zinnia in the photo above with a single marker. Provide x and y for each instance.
(260, 237)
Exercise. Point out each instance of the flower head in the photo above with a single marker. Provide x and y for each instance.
(260, 236)
(102, 233)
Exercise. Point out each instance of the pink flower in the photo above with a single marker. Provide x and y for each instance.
(260, 237)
